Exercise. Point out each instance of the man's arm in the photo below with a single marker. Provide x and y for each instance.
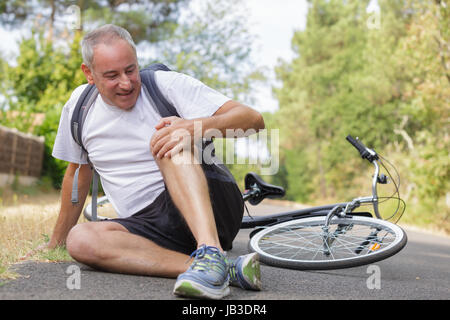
(69, 213)
(230, 116)
(233, 116)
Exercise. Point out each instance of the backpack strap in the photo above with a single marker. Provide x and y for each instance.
(217, 169)
(164, 108)
(85, 101)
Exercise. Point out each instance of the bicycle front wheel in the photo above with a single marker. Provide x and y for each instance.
(306, 244)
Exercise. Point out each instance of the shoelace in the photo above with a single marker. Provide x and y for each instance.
(233, 273)
(208, 258)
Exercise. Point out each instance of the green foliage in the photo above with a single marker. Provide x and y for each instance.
(42, 82)
(322, 88)
(388, 84)
(146, 20)
(214, 45)
(299, 181)
(52, 167)
(424, 55)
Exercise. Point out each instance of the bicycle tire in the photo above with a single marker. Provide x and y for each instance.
(273, 243)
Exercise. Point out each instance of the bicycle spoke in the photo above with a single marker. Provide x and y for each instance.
(311, 243)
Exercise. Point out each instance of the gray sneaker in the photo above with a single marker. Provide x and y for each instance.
(207, 277)
(245, 272)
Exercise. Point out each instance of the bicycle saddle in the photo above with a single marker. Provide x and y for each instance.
(260, 189)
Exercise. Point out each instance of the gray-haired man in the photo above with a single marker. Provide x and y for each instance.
(167, 207)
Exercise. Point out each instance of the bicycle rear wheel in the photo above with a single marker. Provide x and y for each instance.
(305, 244)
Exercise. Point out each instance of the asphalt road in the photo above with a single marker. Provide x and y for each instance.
(420, 271)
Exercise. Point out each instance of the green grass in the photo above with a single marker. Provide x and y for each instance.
(27, 218)
(54, 255)
(58, 254)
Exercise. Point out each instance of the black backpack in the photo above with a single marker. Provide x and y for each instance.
(165, 109)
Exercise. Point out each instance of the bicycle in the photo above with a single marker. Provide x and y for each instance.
(332, 236)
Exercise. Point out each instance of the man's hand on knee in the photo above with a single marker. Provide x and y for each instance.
(172, 136)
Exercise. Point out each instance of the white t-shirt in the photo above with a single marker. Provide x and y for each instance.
(118, 141)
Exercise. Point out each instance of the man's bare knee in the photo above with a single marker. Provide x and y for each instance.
(82, 243)
(182, 159)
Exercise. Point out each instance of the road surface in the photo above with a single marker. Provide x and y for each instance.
(420, 271)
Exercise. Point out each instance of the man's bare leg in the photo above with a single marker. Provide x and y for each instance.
(188, 188)
(111, 247)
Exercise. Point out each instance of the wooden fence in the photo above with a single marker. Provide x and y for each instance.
(21, 154)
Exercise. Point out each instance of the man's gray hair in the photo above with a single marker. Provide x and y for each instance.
(104, 34)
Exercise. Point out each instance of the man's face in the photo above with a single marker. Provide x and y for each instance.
(115, 73)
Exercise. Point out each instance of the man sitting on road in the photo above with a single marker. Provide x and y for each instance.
(167, 207)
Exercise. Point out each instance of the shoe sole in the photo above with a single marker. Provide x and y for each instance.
(251, 271)
(192, 289)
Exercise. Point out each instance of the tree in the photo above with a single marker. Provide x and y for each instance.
(147, 20)
(389, 84)
(319, 89)
(44, 76)
(42, 82)
(214, 44)
(423, 56)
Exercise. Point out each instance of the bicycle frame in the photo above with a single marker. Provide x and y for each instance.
(249, 222)
(341, 209)
(355, 203)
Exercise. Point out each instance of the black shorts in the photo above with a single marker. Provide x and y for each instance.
(162, 223)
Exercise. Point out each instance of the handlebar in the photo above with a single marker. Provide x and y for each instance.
(365, 152)
(372, 157)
